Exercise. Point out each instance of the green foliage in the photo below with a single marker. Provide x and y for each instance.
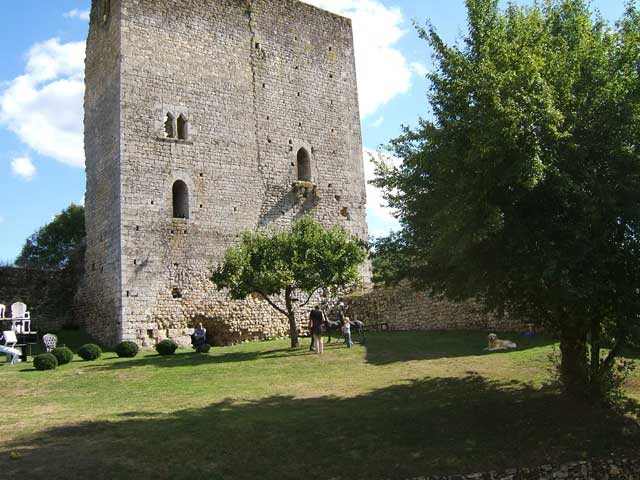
(127, 349)
(304, 259)
(307, 257)
(53, 245)
(63, 354)
(166, 347)
(389, 259)
(204, 348)
(523, 189)
(90, 351)
(609, 388)
(45, 361)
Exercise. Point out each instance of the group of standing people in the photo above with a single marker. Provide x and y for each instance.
(317, 318)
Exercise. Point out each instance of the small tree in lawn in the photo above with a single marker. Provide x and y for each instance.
(279, 265)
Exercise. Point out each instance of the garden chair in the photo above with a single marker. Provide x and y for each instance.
(9, 347)
(50, 341)
(19, 314)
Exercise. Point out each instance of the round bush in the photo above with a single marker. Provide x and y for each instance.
(90, 351)
(63, 355)
(166, 347)
(204, 348)
(127, 349)
(45, 361)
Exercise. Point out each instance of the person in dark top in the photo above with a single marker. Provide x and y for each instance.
(340, 313)
(199, 336)
(316, 318)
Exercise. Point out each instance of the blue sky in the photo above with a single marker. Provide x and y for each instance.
(41, 158)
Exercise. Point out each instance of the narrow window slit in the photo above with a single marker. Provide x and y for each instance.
(180, 194)
(183, 127)
(169, 126)
(304, 165)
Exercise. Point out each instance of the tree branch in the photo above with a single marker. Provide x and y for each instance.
(309, 297)
(274, 305)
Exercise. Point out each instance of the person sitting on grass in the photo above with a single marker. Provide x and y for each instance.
(13, 354)
(199, 336)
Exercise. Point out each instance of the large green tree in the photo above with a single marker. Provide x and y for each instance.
(53, 245)
(523, 186)
(280, 266)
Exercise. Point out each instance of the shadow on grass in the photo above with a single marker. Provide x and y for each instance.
(438, 345)
(381, 347)
(430, 426)
(191, 358)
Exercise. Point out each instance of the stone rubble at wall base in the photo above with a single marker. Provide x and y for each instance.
(622, 469)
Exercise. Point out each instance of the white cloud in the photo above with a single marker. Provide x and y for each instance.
(419, 69)
(383, 72)
(23, 167)
(379, 215)
(378, 121)
(43, 107)
(77, 13)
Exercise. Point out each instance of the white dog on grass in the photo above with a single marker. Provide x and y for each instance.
(496, 344)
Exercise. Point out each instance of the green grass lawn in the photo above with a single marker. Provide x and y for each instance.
(406, 404)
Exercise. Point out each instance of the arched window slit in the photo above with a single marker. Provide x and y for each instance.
(180, 194)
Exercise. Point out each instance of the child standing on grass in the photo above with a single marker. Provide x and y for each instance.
(346, 331)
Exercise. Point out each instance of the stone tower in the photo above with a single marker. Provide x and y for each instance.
(204, 119)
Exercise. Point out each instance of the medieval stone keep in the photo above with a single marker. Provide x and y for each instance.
(204, 119)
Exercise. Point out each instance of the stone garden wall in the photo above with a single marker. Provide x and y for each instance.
(403, 308)
(48, 295)
(617, 469)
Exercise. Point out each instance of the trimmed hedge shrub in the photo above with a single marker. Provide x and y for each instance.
(127, 349)
(90, 351)
(204, 348)
(166, 347)
(45, 361)
(63, 355)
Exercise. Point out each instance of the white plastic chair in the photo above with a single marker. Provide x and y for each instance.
(10, 340)
(19, 314)
(50, 341)
(2, 310)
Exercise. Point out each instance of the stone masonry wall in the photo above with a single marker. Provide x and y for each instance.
(404, 308)
(47, 294)
(98, 302)
(257, 81)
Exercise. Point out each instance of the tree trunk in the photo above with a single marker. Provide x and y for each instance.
(293, 328)
(573, 367)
